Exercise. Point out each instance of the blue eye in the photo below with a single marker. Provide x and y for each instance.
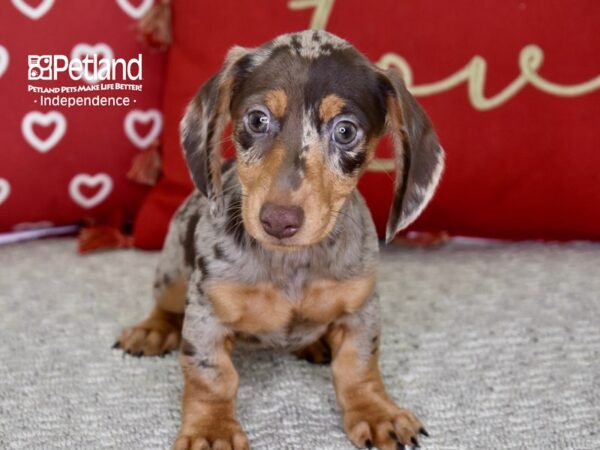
(258, 122)
(344, 132)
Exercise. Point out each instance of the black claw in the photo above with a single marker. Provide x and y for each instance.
(414, 442)
(400, 446)
(116, 345)
(368, 444)
(394, 436)
(424, 432)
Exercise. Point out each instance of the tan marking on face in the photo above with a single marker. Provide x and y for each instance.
(276, 101)
(371, 149)
(257, 180)
(330, 107)
(321, 195)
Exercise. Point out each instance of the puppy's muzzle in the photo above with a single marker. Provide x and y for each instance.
(281, 221)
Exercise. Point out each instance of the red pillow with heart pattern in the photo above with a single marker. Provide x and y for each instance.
(63, 163)
(513, 90)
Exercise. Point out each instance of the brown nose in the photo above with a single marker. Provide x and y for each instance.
(281, 221)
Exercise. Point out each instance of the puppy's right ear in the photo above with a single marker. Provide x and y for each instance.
(202, 127)
(419, 156)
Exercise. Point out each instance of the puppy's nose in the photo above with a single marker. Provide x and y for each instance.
(281, 221)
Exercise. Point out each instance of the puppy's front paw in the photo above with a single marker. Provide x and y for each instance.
(218, 435)
(380, 423)
(158, 334)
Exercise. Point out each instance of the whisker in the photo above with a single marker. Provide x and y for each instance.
(225, 139)
(338, 212)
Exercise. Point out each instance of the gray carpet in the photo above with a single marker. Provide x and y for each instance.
(493, 346)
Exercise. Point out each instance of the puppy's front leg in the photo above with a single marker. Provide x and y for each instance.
(371, 418)
(210, 385)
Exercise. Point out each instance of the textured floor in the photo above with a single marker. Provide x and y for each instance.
(494, 347)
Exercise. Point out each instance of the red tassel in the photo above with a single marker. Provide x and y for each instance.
(102, 237)
(155, 27)
(145, 167)
(422, 239)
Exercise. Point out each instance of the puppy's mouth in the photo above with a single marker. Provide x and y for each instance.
(286, 245)
(286, 226)
(289, 244)
(281, 245)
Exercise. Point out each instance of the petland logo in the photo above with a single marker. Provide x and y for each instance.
(91, 68)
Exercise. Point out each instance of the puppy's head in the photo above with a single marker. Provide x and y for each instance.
(307, 110)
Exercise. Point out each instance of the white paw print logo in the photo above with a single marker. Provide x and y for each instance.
(40, 67)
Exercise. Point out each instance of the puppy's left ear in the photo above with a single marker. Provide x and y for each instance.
(419, 156)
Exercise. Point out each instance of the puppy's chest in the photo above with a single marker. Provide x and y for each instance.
(286, 315)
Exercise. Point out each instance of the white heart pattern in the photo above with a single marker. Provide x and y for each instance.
(135, 12)
(3, 60)
(138, 115)
(37, 117)
(91, 181)
(80, 51)
(4, 190)
(33, 12)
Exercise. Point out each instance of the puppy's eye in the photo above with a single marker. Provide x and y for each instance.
(258, 122)
(344, 132)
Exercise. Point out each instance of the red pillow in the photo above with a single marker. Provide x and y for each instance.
(522, 150)
(62, 164)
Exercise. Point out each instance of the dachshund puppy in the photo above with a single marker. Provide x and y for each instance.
(279, 248)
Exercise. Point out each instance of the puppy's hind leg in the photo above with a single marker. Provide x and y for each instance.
(160, 332)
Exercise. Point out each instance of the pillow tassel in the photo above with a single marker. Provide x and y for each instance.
(102, 237)
(146, 165)
(154, 27)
